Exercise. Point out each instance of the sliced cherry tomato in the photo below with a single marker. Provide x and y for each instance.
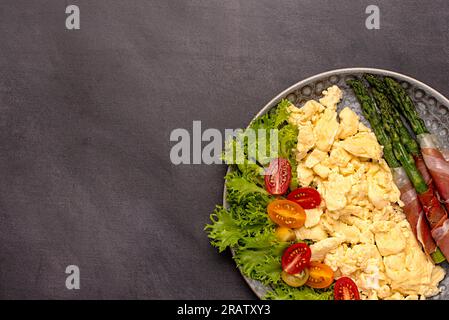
(320, 275)
(286, 213)
(296, 258)
(285, 234)
(278, 176)
(346, 289)
(308, 198)
(295, 280)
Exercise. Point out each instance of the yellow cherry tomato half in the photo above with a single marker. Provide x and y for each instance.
(295, 280)
(286, 213)
(285, 234)
(320, 275)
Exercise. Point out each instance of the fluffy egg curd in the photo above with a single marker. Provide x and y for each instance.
(359, 229)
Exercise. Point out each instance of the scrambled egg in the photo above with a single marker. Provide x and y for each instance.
(359, 229)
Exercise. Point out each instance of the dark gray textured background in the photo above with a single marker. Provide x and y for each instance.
(85, 119)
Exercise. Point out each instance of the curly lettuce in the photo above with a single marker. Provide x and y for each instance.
(284, 292)
(224, 230)
(259, 257)
(244, 225)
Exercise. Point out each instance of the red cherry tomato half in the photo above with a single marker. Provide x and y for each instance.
(308, 198)
(278, 176)
(346, 289)
(296, 258)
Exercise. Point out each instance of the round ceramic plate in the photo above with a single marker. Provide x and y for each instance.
(432, 106)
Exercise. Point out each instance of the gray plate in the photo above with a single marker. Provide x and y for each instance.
(432, 106)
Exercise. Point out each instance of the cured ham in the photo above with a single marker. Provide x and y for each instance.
(445, 153)
(426, 215)
(421, 166)
(437, 165)
(413, 210)
(434, 211)
(441, 235)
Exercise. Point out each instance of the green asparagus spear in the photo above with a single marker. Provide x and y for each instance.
(406, 106)
(407, 140)
(371, 114)
(438, 256)
(377, 83)
(399, 150)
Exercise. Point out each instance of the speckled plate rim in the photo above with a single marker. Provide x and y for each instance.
(344, 71)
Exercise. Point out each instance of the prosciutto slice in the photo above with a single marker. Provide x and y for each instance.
(413, 211)
(421, 166)
(441, 235)
(434, 211)
(437, 165)
(445, 153)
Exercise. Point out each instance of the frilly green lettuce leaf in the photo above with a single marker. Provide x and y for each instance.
(285, 292)
(245, 225)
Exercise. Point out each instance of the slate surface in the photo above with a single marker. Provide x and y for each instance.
(86, 116)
